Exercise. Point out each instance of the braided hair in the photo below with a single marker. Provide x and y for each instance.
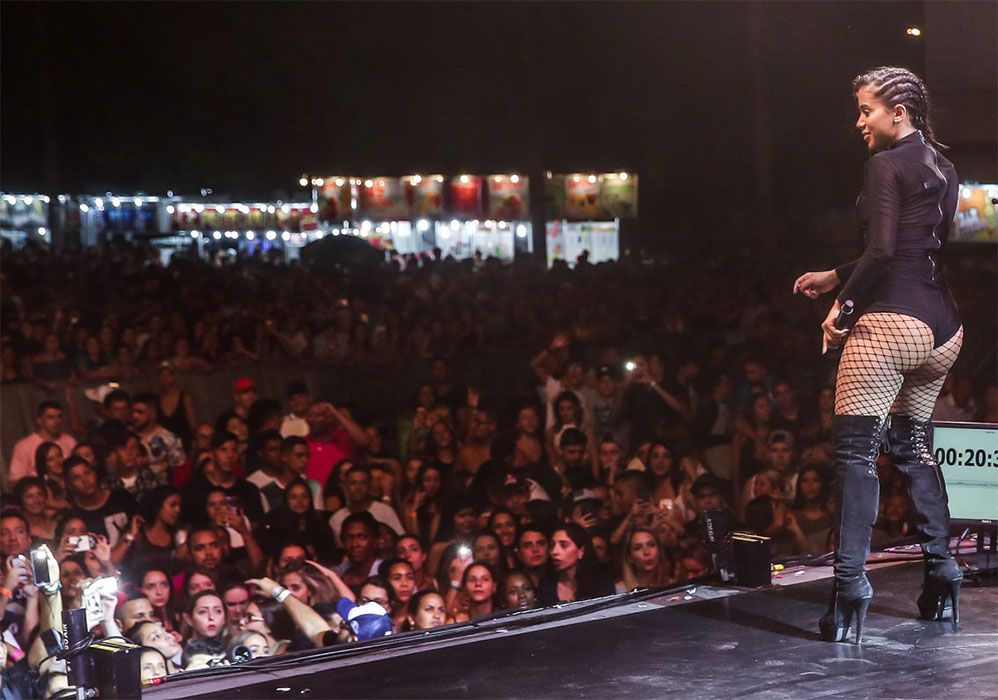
(894, 86)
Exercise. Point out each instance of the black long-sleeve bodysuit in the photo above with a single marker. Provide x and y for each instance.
(906, 210)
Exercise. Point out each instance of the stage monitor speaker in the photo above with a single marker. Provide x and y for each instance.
(116, 665)
(752, 559)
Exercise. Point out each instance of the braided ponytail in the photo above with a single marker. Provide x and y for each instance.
(894, 86)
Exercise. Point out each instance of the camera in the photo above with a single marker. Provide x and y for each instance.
(239, 654)
(92, 598)
(108, 584)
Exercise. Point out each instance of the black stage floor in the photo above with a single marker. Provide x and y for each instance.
(719, 644)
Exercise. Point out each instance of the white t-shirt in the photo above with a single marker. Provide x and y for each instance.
(260, 478)
(293, 426)
(345, 565)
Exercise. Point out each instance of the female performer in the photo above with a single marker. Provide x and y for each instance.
(906, 339)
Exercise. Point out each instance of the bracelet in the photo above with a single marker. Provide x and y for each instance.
(6, 592)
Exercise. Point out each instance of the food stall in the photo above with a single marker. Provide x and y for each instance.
(24, 217)
(584, 212)
(247, 226)
(489, 215)
(415, 214)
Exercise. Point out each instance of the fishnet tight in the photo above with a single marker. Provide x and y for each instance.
(888, 361)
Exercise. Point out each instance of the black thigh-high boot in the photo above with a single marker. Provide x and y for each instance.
(856, 441)
(912, 453)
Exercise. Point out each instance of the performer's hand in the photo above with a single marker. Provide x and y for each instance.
(811, 284)
(832, 335)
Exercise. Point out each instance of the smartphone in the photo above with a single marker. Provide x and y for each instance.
(590, 506)
(40, 565)
(233, 504)
(82, 543)
(630, 366)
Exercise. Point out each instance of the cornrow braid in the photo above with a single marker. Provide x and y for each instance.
(894, 86)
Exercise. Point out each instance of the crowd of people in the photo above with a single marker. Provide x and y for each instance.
(655, 393)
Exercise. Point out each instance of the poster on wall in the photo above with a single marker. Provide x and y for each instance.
(383, 199)
(334, 199)
(257, 217)
(567, 240)
(591, 196)
(582, 196)
(309, 219)
(466, 196)
(233, 218)
(425, 195)
(555, 241)
(618, 196)
(975, 214)
(509, 197)
(211, 218)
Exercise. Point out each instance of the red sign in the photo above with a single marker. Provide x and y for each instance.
(466, 196)
(383, 198)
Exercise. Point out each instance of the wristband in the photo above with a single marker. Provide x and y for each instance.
(51, 588)
(456, 585)
(280, 594)
(6, 592)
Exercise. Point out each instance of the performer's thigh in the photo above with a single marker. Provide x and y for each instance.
(921, 386)
(879, 350)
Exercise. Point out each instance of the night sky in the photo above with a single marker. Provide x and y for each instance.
(244, 97)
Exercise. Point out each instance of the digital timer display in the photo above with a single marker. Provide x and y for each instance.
(968, 456)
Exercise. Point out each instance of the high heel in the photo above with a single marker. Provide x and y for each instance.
(940, 597)
(857, 444)
(910, 443)
(850, 602)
